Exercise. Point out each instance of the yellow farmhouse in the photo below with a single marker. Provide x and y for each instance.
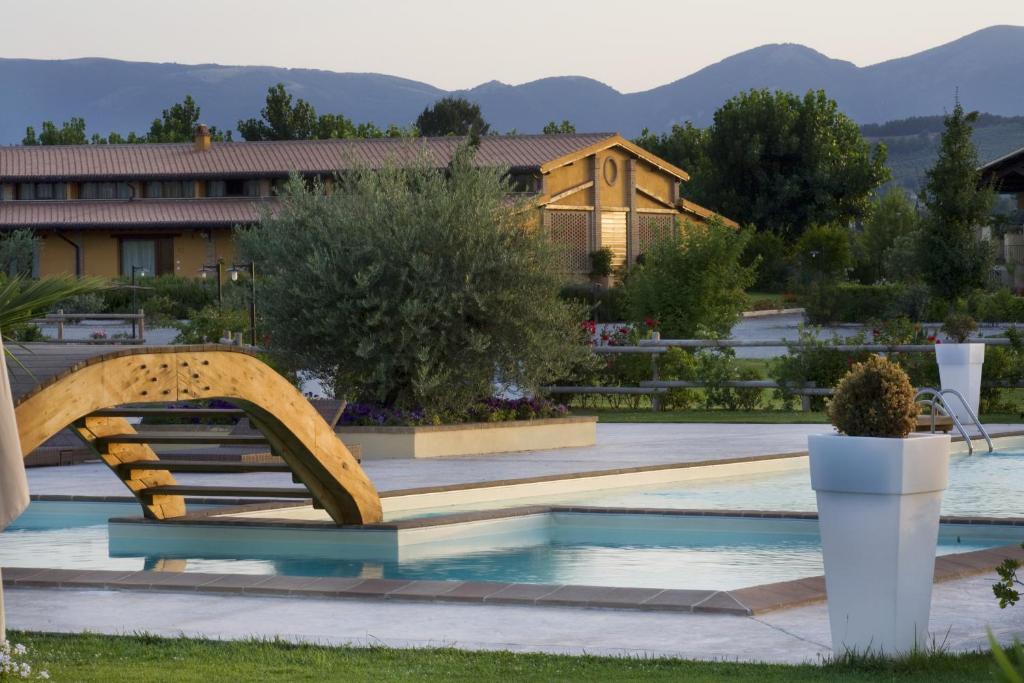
(171, 208)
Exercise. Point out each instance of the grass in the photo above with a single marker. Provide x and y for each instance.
(108, 659)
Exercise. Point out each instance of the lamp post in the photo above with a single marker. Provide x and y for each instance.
(141, 271)
(219, 269)
(234, 271)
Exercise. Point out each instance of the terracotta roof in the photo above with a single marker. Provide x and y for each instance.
(268, 159)
(134, 213)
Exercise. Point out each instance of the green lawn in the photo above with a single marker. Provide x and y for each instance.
(108, 659)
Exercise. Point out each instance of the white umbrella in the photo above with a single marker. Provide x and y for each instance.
(13, 482)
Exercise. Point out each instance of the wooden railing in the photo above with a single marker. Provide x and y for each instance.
(60, 319)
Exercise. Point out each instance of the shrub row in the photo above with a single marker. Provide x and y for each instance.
(855, 303)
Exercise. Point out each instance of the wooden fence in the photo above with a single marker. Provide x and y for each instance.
(60, 319)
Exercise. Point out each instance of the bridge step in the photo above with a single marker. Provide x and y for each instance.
(226, 491)
(169, 412)
(183, 438)
(203, 467)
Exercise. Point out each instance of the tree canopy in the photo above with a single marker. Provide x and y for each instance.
(953, 259)
(777, 161)
(552, 128)
(281, 119)
(420, 287)
(452, 116)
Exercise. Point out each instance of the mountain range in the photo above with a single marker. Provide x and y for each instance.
(986, 68)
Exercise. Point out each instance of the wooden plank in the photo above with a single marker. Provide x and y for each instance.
(204, 466)
(169, 412)
(226, 491)
(186, 438)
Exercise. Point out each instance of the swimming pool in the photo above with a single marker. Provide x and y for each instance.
(604, 549)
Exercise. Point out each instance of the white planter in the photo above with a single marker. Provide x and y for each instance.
(960, 369)
(878, 510)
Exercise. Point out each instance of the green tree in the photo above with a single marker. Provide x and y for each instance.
(778, 161)
(419, 287)
(177, 124)
(693, 285)
(452, 116)
(684, 146)
(953, 259)
(280, 119)
(891, 221)
(71, 132)
(823, 254)
(552, 128)
(17, 252)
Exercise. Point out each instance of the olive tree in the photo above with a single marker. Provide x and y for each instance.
(413, 287)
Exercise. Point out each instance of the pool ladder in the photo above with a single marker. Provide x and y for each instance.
(936, 399)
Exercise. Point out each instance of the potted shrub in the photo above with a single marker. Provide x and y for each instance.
(960, 363)
(879, 487)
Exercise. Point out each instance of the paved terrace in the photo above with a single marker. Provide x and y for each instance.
(618, 446)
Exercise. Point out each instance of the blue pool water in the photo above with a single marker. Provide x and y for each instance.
(613, 550)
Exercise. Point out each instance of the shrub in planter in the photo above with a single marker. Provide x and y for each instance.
(879, 492)
(875, 398)
(959, 327)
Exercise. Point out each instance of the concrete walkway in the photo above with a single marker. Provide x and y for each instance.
(961, 612)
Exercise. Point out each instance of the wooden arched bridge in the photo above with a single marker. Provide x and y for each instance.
(93, 390)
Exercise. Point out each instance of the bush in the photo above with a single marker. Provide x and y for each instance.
(718, 366)
(823, 254)
(770, 254)
(175, 297)
(419, 287)
(811, 360)
(17, 252)
(605, 304)
(601, 262)
(874, 399)
(959, 327)
(488, 410)
(851, 303)
(1001, 305)
(694, 285)
(208, 325)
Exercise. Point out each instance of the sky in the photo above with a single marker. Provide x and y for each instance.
(455, 44)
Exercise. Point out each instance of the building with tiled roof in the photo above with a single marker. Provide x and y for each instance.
(171, 208)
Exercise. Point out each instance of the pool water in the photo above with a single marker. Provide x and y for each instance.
(631, 550)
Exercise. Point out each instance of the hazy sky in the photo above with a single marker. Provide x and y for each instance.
(631, 45)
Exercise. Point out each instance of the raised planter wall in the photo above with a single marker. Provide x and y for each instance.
(472, 438)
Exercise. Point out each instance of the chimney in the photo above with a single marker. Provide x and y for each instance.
(202, 138)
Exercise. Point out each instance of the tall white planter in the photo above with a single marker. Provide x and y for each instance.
(960, 369)
(878, 510)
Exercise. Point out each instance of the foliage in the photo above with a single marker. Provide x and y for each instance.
(486, 410)
(605, 304)
(71, 132)
(565, 127)
(207, 325)
(169, 296)
(694, 284)
(178, 124)
(823, 254)
(282, 120)
(953, 260)
(778, 161)
(1006, 588)
(420, 287)
(684, 146)
(17, 252)
(21, 300)
(850, 302)
(1001, 305)
(959, 327)
(889, 221)
(1009, 662)
(1004, 367)
(718, 366)
(875, 398)
(452, 116)
(811, 360)
(601, 263)
(770, 254)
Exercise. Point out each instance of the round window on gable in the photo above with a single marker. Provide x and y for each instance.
(611, 171)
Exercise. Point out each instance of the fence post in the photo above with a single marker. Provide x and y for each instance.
(805, 399)
(60, 324)
(142, 326)
(655, 397)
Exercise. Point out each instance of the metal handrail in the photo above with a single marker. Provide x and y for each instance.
(938, 400)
